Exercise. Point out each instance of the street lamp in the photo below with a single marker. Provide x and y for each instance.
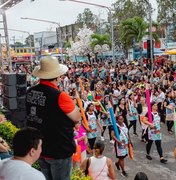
(151, 39)
(58, 31)
(30, 41)
(111, 21)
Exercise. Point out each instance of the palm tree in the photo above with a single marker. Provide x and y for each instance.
(133, 30)
(98, 39)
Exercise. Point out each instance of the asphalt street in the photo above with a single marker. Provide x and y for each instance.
(154, 169)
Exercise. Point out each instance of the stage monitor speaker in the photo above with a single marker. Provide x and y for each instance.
(21, 79)
(21, 103)
(9, 79)
(9, 91)
(10, 103)
(21, 90)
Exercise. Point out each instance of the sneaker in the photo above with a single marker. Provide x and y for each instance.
(102, 138)
(170, 132)
(164, 161)
(135, 134)
(117, 166)
(124, 174)
(111, 141)
(148, 157)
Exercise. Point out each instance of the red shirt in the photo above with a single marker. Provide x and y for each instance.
(64, 101)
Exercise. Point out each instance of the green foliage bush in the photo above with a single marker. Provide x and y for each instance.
(78, 174)
(7, 131)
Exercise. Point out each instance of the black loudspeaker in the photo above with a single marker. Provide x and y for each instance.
(21, 102)
(14, 87)
(9, 79)
(149, 49)
(21, 90)
(21, 79)
(10, 103)
(9, 91)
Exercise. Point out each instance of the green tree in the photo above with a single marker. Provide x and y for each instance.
(166, 11)
(18, 44)
(29, 39)
(125, 9)
(87, 17)
(98, 39)
(133, 30)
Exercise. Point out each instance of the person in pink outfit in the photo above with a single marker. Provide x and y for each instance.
(81, 139)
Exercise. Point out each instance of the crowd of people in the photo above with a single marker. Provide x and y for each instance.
(52, 107)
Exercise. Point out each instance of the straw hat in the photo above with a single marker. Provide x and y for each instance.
(49, 68)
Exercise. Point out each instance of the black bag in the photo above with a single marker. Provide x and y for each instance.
(87, 166)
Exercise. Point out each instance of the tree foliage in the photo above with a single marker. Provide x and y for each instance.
(98, 39)
(125, 9)
(30, 39)
(166, 11)
(132, 30)
(18, 44)
(87, 17)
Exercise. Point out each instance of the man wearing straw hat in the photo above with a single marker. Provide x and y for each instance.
(54, 114)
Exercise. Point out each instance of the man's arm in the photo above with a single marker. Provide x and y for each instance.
(68, 107)
(75, 115)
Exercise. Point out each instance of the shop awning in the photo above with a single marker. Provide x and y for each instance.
(170, 52)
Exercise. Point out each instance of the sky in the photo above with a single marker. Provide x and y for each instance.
(63, 12)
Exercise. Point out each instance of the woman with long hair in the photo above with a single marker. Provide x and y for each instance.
(121, 109)
(105, 119)
(169, 104)
(132, 113)
(154, 133)
(142, 110)
(121, 145)
(93, 123)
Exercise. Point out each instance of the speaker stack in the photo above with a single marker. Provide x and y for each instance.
(14, 88)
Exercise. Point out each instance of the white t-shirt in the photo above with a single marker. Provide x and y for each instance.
(160, 97)
(66, 83)
(116, 92)
(18, 170)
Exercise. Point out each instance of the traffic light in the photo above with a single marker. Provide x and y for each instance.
(149, 49)
(14, 88)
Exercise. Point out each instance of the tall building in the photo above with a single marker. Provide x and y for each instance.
(47, 38)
